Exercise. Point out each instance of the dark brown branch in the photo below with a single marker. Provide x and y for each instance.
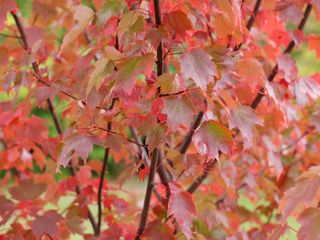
(21, 31)
(157, 12)
(147, 199)
(100, 188)
(186, 143)
(51, 108)
(260, 95)
(145, 157)
(194, 186)
(164, 177)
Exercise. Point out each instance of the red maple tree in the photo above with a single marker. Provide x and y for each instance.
(201, 100)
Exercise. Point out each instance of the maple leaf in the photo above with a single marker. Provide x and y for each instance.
(131, 21)
(83, 15)
(310, 221)
(288, 66)
(182, 207)
(103, 67)
(129, 70)
(274, 160)
(178, 23)
(244, 118)
(76, 224)
(214, 137)
(76, 144)
(27, 190)
(155, 137)
(155, 35)
(179, 111)
(305, 88)
(250, 71)
(303, 194)
(109, 9)
(197, 65)
(7, 207)
(227, 18)
(46, 224)
(157, 230)
(313, 43)
(168, 83)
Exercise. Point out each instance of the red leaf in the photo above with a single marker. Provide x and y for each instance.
(182, 207)
(179, 111)
(197, 65)
(46, 224)
(76, 144)
(178, 23)
(129, 70)
(157, 230)
(314, 44)
(27, 190)
(244, 118)
(302, 194)
(310, 222)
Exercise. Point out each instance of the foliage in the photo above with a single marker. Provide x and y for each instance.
(201, 100)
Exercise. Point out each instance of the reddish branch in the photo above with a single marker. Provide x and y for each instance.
(147, 199)
(51, 107)
(102, 176)
(101, 182)
(260, 95)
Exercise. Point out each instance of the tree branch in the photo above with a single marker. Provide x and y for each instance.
(147, 199)
(101, 181)
(51, 108)
(186, 143)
